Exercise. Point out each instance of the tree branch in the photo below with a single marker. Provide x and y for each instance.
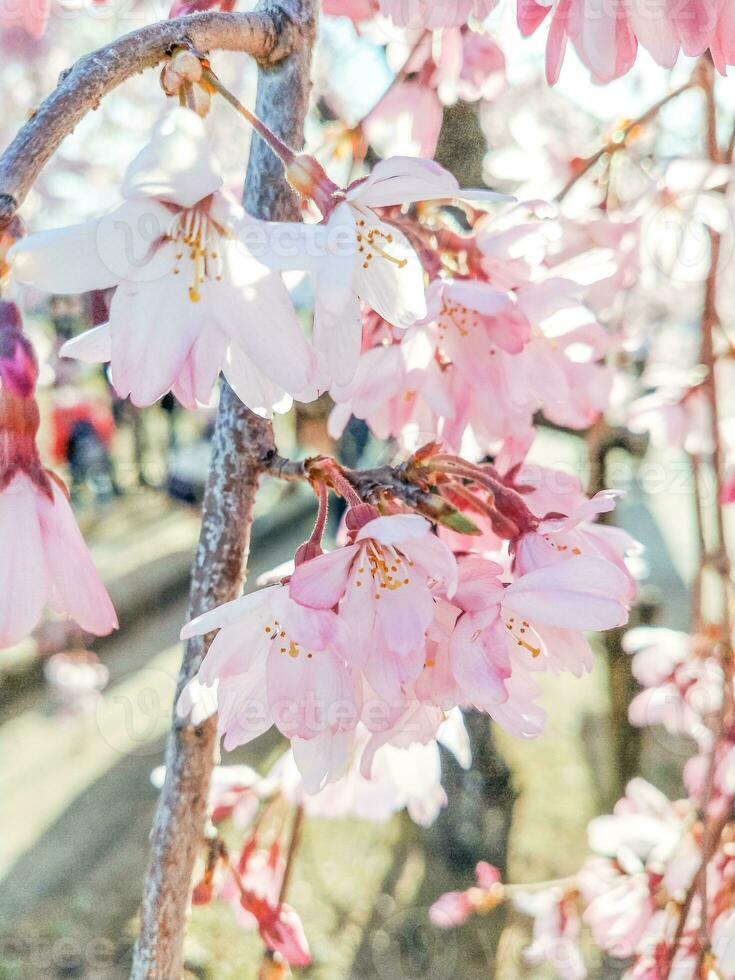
(269, 34)
(243, 443)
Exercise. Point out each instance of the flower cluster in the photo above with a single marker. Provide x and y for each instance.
(637, 895)
(507, 321)
(389, 632)
(606, 34)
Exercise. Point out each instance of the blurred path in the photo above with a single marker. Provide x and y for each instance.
(75, 797)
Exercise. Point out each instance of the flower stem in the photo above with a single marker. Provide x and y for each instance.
(293, 846)
(283, 152)
(320, 489)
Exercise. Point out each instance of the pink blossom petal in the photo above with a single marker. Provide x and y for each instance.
(581, 593)
(77, 589)
(321, 582)
(23, 576)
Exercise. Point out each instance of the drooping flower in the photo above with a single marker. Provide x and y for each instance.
(45, 562)
(536, 621)
(556, 931)
(432, 14)
(31, 15)
(400, 778)
(274, 661)
(356, 255)
(558, 538)
(381, 583)
(454, 908)
(606, 35)
(190, 298)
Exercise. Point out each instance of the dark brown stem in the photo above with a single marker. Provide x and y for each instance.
(371, 485)
(243, 443)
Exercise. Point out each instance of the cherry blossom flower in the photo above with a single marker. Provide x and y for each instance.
(537, 618)
(190, 299)
(407, 121)
(469, 66)
(255, 904)
(454, 908)
(648, 843)
(436, 13)
(382, 585)
(558, 538)
(46, 563)
(274, 661)
(556, 931)
(606, 37)
(401, 778)
(681, 680)
(45, 560)
(31, 15)
(356, 255)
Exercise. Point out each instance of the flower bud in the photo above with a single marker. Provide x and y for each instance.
(18, 366)
(307, 551)
(202, 893)
(306, 175)
(357, 517)
(183, 67)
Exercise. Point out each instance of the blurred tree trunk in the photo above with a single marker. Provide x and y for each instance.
(476, 825)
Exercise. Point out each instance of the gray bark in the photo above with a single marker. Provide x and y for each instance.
(243, 445)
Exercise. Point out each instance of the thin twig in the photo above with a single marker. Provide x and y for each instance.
(613, 145)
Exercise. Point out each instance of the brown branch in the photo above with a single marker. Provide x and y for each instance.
(268, 34)
(243, 443)
(372, 485)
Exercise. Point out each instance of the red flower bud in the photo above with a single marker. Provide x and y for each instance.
(357, 517)
(18, 365)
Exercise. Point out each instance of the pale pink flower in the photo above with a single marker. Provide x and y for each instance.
(558, 538)
(401, 390)
(31, 15)
(450, 910)
(682, 690)
(606, 36)
(408, 777)
(454, 908)
(556, 931)
(190, 299)
(406, 122)
(469, 66)
(356, 255)
(382, 584)
(536, 620)
(46, 562)
(274, 661)
(618, 916)
(435, 13)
